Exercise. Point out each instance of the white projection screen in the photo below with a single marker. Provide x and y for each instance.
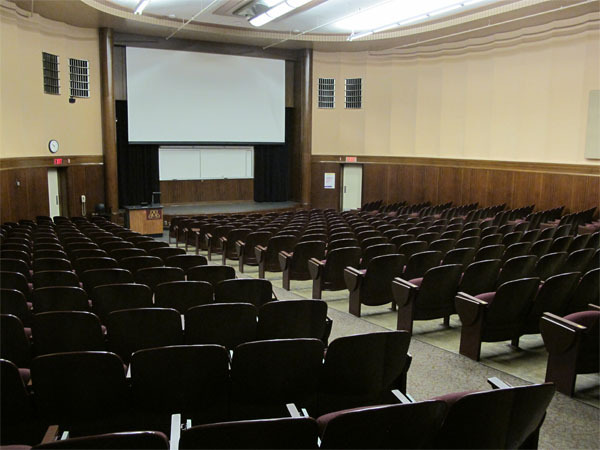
(190, 97)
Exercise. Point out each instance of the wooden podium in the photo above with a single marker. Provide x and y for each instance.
(145, 219)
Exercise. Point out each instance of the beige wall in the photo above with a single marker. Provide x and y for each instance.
(28, 117)
(522, 102)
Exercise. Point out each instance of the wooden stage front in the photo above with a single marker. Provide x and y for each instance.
(211, 208)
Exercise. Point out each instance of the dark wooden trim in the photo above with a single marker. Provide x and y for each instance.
(304, 126)
(194, 191)
(519, 166)
(109, 127)
(48, 161)
(188, 45)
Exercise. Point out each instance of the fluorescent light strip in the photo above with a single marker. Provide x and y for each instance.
(140, 7)
(353, 37)
(360, 35)
(445, 10)
(276, 11)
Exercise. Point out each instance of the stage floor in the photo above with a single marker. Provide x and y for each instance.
(187, 209)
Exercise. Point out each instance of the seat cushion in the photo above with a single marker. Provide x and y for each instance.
(416, 281)
(487, 297)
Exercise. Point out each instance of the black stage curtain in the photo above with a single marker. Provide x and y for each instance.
(272, 167)
(138, 164)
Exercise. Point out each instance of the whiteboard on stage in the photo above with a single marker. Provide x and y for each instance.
(205, 163)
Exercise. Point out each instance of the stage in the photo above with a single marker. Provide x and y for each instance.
(196, 209)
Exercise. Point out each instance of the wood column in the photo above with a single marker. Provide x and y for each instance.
(109, 127)
(304, 89)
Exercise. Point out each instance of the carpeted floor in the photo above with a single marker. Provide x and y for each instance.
(437, 368)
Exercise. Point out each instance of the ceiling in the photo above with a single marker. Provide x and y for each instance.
(312, 25)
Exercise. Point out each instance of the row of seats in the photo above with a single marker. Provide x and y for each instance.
(129, 330)
(88, 391)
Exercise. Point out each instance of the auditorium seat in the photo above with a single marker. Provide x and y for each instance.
(83, 392)
(151, 245)
(266, 375)
(267, 256)
(550, 264)
(59, 298)
(428, 297)
(98, 277)
(572, 343)
(279, 433)
(508, 417)
(107, 298)
(463, 256)
(15, 265)
(328, 274)
(152, 276)
(135, 263)
(15, 280)
(362, 369)
(15, 344)
(133, 440)
(83, 264)
(191, 380)
(494, 316)
(67, 331)
(586, 292)
(14, 302)
(48, 278)
(401, 426)
(255, 291)
(122, 253)
(130, 330)
(18, 419)
(205, 324)
(185, 262)
(87, 253)
(164, 252)
(210, 274)
(517, 267)
(289, 319)
(579, 260)
(373, 286)
(294, 264)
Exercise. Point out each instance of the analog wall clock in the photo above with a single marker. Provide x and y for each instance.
(53, 146)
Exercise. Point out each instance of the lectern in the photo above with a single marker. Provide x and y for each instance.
(145, 219)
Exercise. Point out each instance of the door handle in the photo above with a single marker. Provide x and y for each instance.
(57, 199)
(344, 189)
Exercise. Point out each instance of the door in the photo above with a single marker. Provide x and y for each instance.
(53, 193)
(352, 186)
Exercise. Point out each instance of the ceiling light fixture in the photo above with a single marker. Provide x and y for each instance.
(141, 6)
(377, 19)
(276, 11)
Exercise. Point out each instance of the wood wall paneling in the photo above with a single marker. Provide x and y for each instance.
(29, 198)
(192, 191)
(577, 188)
(321, 197)
(375, 183)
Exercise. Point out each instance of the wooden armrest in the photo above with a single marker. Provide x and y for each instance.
(284, 259)
(240, 246)
(402, 398)
(260, 252)
(593, 307)
(315, 268)
(404, 283)
(293, 410)
(223, 239)
(352, 278)
(175, 431)
(208, 235)
(559, 334)
(51, 434)
(497, 383)
(403, 291)
(468, 308)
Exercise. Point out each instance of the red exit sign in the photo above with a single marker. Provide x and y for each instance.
(58, 161)
(351, 159)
